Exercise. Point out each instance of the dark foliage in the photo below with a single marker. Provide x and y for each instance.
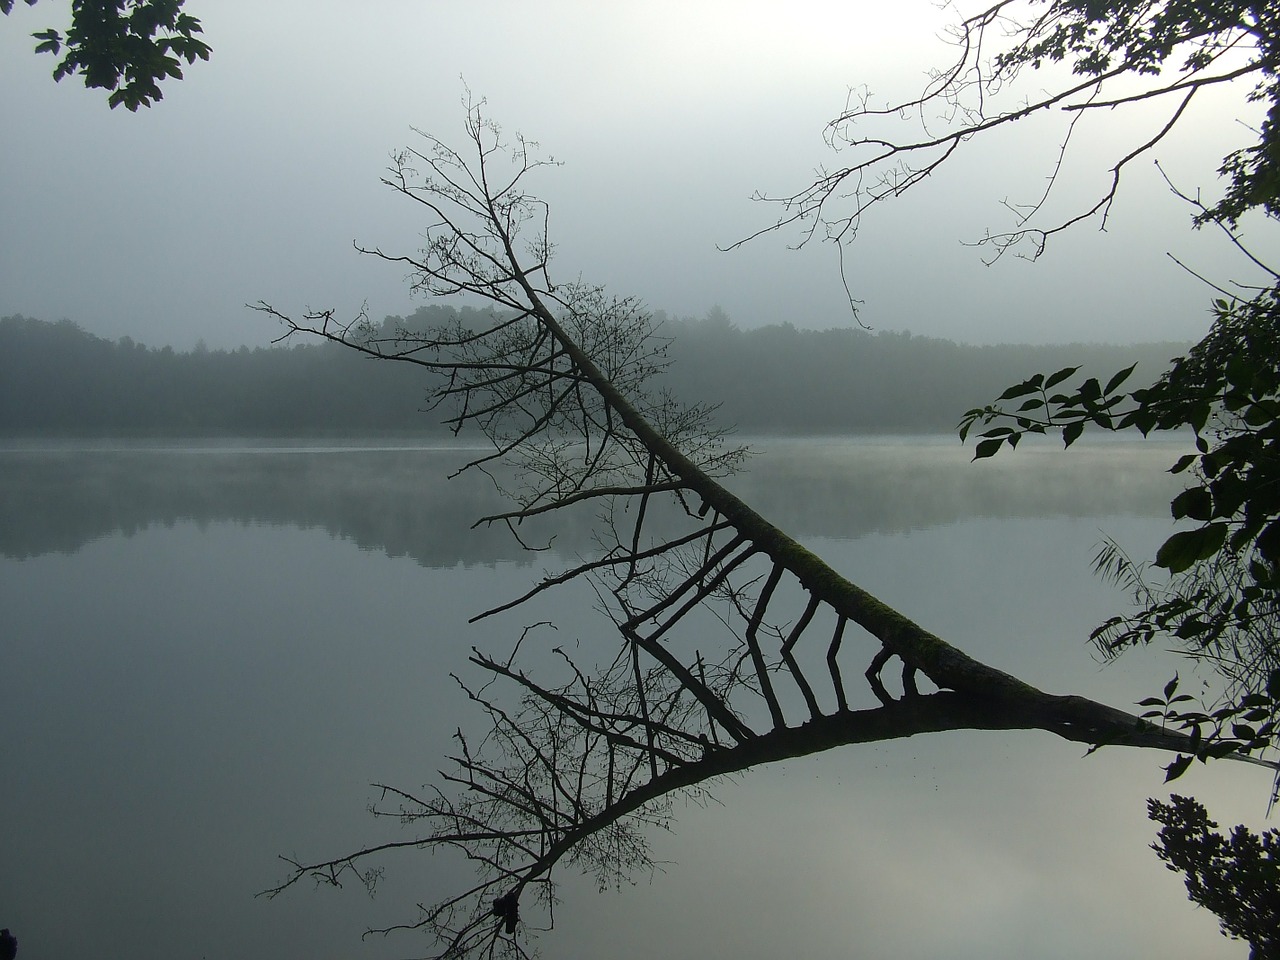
(1237, 877)
(125, 46)
(1200, 44)
(1220, 601)
(57, 379)
(1219, 596)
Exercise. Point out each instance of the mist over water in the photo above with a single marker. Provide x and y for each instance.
(212, 650)
(396, 496)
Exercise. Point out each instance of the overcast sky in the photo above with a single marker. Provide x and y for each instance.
(255, 174)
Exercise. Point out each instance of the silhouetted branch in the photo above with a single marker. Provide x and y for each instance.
(1110, 70)
(706, 611)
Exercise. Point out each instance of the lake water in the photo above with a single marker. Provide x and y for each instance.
(211, 650)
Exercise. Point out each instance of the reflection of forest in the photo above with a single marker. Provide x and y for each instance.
(57, 379)
(398, 500)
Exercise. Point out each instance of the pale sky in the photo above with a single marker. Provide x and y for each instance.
(255, 174)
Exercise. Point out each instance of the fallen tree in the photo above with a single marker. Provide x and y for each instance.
(734, 644)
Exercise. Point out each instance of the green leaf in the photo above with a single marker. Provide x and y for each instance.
(1241, 369)
(50, 41)
(1071, 432)
(1118, 379)
(1183, 549)
(1268, 542)
(987, 448)
(1196, 503)
(1176, 769)
(1144, 420)
(1058, 377)
(1191, 628)
(1260, 413)
(1022, 389)
(1223, 749)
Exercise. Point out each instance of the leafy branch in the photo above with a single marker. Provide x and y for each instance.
(125, 46)
(1221, 600)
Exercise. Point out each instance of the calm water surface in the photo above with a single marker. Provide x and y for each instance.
(210, 651)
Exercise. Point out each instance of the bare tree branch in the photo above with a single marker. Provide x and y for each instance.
(708, 601)
(1121, 57)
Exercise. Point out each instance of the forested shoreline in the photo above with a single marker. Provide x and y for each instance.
(56, 379)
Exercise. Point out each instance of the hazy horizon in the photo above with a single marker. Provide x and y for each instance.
(253, 176)
(276, 330)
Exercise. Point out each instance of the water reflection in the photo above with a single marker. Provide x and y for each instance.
(398, 499)
(218, 675)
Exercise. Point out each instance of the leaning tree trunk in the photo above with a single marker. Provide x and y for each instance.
(561, 380)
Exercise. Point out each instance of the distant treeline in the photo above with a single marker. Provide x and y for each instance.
(57, 379)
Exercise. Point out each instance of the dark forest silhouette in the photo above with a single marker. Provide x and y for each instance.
(55, 378)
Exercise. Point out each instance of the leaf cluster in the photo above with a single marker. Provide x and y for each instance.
(1221, 601)
(1101, 36)
(125, 46)
(1102, 39)
(1237, 876)
(1238, 728)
